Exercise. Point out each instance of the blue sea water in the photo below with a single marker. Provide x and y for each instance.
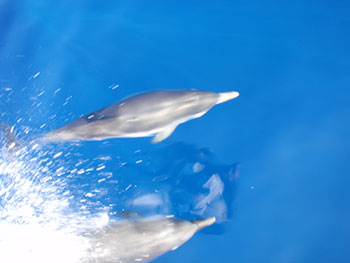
(281, 149)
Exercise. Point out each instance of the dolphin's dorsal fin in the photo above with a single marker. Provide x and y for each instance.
(163, 134)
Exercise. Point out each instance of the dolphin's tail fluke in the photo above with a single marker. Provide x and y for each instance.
(202, 223)
(225, 96)
(48, 137)
(54, 136)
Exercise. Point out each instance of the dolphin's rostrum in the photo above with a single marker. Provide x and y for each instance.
(152, 113)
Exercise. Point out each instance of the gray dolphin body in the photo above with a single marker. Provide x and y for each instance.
(141, 240)
(152, 113)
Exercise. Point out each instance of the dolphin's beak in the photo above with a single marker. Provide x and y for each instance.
(225, 96)
(202, 223)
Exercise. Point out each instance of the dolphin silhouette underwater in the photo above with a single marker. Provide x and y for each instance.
(155, 113)
(141, 240)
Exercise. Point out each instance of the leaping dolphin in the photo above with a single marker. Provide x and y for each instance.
(141, 240)
(155, 113)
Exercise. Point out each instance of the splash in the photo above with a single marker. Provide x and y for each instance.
(37, 220)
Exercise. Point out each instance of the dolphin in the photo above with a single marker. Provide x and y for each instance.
(156, 113)
(141, 240)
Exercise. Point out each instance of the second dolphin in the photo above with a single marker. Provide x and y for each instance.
(141, 240)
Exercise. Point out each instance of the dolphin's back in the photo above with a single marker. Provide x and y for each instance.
(157, 109)
(183, 101)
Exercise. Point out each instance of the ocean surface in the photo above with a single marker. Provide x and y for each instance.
(271, 165)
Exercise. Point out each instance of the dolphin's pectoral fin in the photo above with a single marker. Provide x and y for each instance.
(163, 134)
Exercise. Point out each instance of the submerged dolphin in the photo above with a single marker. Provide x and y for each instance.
(152, 113)
(141, 240)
